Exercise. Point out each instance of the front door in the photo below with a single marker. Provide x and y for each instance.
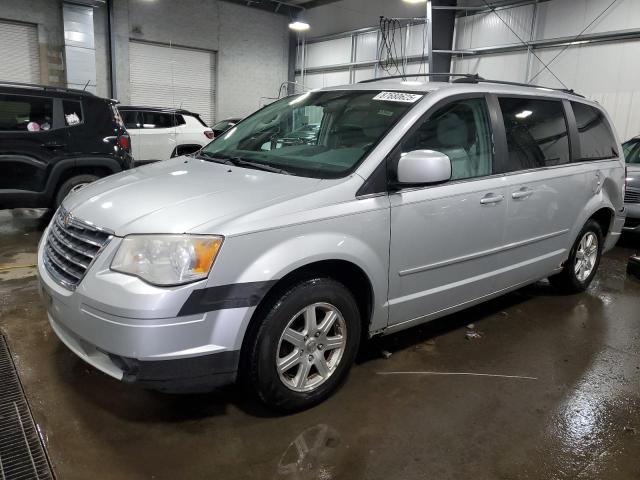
(446, 239)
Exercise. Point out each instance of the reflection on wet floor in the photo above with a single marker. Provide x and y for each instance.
(575, 415)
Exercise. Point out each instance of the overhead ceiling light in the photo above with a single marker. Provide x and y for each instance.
(524, 114)
(299, 24)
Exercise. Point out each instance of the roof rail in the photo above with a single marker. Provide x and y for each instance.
(517, 84)
(470, 78)
(46, 87)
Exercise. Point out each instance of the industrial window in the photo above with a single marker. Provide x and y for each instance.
(72, 112)
(25, 114)
(536, 133)
(596, 138)
(461, 131)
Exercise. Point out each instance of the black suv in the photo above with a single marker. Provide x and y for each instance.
(53, 140)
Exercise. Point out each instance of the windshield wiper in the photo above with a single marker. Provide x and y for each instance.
(240, 162)
(212, 158)
(258, 166)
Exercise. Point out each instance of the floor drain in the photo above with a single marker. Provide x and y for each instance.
(22, 456)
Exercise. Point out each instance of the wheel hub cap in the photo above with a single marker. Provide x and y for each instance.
(311, 347)
(586, 256)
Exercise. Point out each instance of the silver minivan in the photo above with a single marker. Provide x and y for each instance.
(267, 257)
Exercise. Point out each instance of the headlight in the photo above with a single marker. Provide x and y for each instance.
(167, 259)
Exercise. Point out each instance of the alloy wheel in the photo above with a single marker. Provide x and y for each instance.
(311, 347)
(586, 256)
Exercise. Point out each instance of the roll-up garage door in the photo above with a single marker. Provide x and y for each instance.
(163, 76)
(20, 53)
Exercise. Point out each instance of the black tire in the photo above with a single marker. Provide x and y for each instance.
(261, 376)
(69, 185)
(568, 281)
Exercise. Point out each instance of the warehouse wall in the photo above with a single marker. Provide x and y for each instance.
(606, 72)
(252, 45)
(346, 15)
(47, 15)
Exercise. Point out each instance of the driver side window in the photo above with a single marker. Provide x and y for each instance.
(461, 131)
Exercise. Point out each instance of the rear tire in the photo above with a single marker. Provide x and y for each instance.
(582, 265)
(299, 369)
(70, 184)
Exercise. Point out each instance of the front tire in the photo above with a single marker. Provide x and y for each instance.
(304, 346)
(76, 181)
(584, 259)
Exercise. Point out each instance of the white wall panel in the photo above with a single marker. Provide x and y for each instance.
(367, 47)
(509, 66)
(418, 44)
(560, 18)
(325, 79)
(486, 29)
(330, 52)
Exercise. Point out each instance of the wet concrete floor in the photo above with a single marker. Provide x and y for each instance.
(576, 415)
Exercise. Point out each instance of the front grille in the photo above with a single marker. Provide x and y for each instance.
(632, 196)
(22, 456)
(71, 247)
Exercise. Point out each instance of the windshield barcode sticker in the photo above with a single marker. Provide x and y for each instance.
(397, 97)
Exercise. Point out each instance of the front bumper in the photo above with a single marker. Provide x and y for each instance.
(133, 332)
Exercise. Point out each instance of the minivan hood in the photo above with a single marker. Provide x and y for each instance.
(177, 195)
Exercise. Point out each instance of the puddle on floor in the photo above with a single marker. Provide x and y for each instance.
(20, 265)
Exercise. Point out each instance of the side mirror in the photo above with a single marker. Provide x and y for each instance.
(423, 167)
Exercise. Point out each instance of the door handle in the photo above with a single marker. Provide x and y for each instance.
(53, 146)
(522, 194)
(491, 199)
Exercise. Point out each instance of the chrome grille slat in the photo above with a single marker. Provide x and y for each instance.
(71, 249)
(632, 196)
(72, 243)
(55, 244)
(76, 233)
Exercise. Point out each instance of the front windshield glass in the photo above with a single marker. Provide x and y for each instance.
(631, 152)
(318, 134)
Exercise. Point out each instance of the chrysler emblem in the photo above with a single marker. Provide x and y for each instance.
(66, 220)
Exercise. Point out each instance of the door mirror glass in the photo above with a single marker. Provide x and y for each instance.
(421, 167)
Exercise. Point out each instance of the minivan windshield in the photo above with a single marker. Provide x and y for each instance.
(317, 134)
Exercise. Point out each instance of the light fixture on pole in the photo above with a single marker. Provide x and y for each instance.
(299, 23)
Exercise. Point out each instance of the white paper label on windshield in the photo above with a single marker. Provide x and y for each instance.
(398, 97)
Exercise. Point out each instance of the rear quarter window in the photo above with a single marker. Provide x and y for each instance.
(72, 112)
(594, 132)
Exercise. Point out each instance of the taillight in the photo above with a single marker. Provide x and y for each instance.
(208, 134)
(123, 142)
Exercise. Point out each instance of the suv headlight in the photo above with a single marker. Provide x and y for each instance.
(167, 259)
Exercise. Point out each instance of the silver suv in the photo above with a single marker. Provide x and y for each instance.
(268, 261)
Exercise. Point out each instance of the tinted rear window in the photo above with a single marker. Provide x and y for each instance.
(596, 138)
(536, 131)
(25, 114)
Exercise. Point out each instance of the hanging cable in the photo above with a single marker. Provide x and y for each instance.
(391, 58)
(571, 42)
(526, 44)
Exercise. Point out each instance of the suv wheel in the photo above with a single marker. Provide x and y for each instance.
(582, 265)
(305, 345)
(75, 182)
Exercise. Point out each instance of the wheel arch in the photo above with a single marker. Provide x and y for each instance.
(352, 276)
